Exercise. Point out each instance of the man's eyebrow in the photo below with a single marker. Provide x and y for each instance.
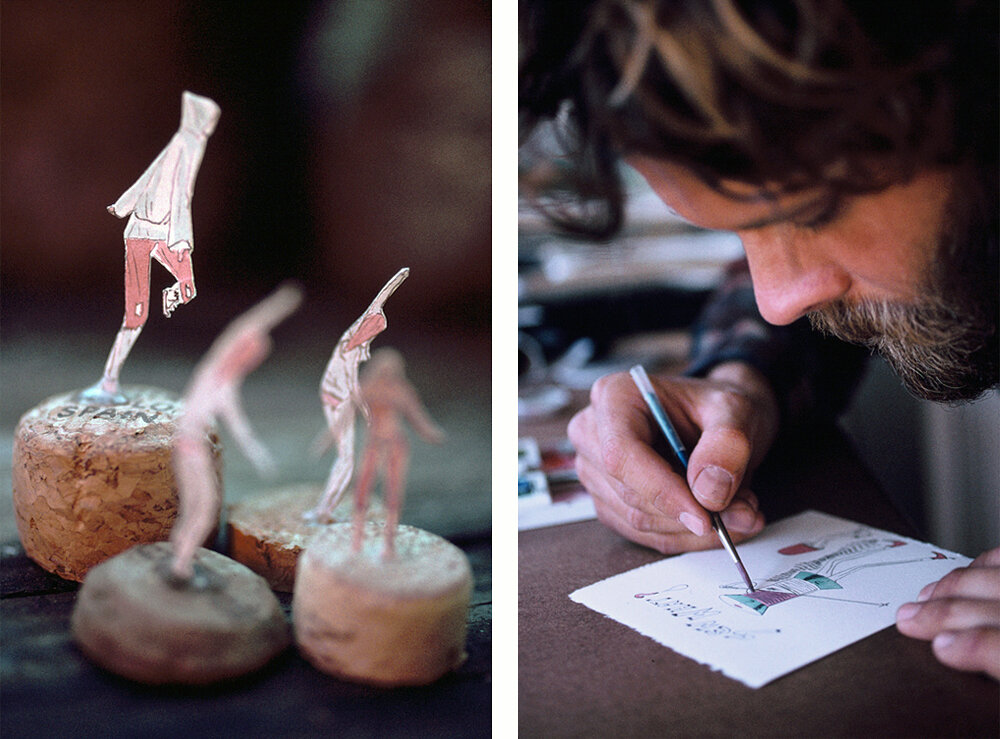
(817, 205)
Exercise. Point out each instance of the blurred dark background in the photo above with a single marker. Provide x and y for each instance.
(354, 140)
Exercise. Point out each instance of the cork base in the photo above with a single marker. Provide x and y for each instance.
(397, 622)
(91, 480)
(132, 618)
(267, 533)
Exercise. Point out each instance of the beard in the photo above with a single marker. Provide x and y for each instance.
(944, 345)
(939, 353)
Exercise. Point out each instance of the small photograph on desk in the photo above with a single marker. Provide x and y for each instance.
(548, 490)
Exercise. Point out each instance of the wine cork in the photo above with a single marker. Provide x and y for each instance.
(134, 618)
(268, 532)
(400, 621)
(91, 480)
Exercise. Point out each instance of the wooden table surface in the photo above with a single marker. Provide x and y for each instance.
(582, 674)
(50, 690)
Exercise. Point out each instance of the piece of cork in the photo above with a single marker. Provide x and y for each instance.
(134, 618)
(268, 532)
(401, 621)
(92, 480)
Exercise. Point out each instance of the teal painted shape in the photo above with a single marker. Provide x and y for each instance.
(748, 601)
(820, 581)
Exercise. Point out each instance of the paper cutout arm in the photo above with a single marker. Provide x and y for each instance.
(214, 394)
(416, 414)
(128, 200)
(239, 426)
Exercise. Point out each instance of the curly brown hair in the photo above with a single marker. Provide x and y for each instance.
(850, 96)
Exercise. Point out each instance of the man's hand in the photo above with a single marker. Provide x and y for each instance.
(732, 415)
(960, 614)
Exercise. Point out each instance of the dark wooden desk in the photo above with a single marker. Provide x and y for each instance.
(581, 674)
(48, 689)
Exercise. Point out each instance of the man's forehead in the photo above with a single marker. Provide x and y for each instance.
(733, 206)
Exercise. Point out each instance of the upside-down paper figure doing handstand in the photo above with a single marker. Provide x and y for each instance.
(213, 393)
(390, 399)
(159, 227)
(340, 394)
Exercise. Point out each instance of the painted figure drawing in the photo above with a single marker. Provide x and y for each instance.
(820, 584)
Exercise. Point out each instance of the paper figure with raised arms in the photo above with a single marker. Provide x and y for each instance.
(213, 394)
(158, 206)
(340, 394)
(390, 399)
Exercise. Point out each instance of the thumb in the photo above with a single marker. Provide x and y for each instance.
(718, 465)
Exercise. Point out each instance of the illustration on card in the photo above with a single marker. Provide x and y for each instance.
(824, 574)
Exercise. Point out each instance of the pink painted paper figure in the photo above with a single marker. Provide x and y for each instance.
(212, 394)
(390, 399)
(159, 227)
(340, 394)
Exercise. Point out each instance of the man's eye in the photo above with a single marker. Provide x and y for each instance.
(827, 215)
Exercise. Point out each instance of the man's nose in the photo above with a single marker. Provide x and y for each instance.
(792, 274)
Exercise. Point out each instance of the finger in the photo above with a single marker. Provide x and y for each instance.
(663, 542)
(743, 514)
(662, 513)
(987, 559)
(965, 582)
(609, 493)
(720, 458)
(625, 430)
(928, 619)
(972, 650)
(659, 531)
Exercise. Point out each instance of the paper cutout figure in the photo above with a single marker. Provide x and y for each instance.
(390, 399)
(159, 227)
(340, 394)
(213, 393)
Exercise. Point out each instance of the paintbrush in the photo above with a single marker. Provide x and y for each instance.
(641, 380)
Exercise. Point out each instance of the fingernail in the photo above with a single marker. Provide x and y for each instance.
(907, 611)
(693, 524)
(739, 519)
(712, 485)
(944, 640)
(925, 592)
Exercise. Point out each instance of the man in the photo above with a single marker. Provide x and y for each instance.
(853, 148)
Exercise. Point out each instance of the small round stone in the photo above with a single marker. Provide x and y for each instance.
(134, 618)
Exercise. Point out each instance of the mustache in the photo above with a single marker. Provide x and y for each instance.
(939, 352)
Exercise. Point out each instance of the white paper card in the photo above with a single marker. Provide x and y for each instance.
(821, 583)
